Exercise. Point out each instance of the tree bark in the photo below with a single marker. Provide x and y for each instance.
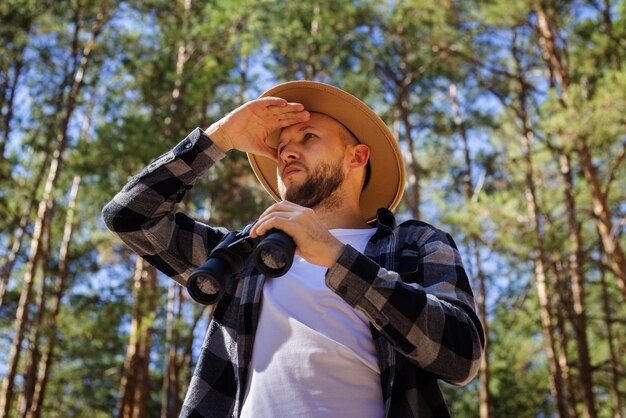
(398, 82)
(484, 376)
(534, 213)
(551, 54)
(24, 303)
(610, 243)
(562, 298)
(133, 401)
(607, 310)
(34, 351)
(181, 60)
(415, 170)
(18, 238)
(45, 362)
(578, 291)
(556, 383)
(170, 358)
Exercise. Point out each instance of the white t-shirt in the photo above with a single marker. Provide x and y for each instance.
(313, 354)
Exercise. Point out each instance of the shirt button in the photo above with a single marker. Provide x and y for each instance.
(188, 145)
(343, 290)
(379, 322)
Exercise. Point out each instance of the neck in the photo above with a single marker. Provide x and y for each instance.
(335, 212)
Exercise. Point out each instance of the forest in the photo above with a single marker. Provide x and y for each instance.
(511, 116)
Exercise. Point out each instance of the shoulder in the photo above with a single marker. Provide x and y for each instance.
(418, 233)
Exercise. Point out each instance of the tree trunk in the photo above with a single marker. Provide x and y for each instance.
(555, 58)
(18, 237)
(562, 299)
(34, 350)
(610, 242)
(133, 401)
(607, 310)
(534, 213)
(24, 303)
(578, 291)
(415, 171)
(45, 205)
(181, 59)
(45, 363)
(484, 376)
(168, 374)
(556, 383)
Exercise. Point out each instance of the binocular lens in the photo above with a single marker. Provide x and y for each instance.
(205, 284)
(274, 255)
(273, 258)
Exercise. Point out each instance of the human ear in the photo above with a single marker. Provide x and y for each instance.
(360, 155)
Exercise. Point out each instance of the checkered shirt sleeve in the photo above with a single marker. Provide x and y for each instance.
(142, 213)
(427, 310)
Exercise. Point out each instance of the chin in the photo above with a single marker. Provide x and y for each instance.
(290, 186)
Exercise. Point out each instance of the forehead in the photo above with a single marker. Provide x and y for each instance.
(317, 121)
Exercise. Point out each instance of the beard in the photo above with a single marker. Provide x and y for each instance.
(319, 190)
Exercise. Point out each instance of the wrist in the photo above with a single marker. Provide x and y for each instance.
(219, 136)
(334, 253)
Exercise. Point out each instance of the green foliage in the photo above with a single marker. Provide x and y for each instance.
(90, 354)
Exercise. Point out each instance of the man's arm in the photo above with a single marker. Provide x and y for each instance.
(143, 213)
(428, 313)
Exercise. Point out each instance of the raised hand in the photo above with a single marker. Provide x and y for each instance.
(247, 127)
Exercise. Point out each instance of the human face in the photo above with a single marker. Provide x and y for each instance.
(311, 162)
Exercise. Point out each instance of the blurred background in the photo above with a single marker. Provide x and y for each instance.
(511, 116)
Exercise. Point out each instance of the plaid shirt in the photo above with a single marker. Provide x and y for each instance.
(410, 283)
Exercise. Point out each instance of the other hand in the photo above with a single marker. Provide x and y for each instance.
(313, 241)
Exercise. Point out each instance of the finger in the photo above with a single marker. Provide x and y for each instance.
(299, 116)
(264, 225)
(273, 101)
(286, 109)
(267, 212)
(291, 106)
(282, 206)
(285, 210)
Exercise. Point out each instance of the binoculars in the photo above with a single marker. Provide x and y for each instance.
(272, 255)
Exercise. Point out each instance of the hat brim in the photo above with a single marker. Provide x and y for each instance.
(388, 176)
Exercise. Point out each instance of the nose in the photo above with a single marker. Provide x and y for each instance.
(289, 153)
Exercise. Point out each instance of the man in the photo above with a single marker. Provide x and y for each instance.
(369, 316)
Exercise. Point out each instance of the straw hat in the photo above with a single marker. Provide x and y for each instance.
(387, 179)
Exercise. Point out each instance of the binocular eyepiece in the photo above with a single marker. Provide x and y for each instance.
(272, 256)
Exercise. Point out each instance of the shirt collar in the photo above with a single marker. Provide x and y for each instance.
(385, 221)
